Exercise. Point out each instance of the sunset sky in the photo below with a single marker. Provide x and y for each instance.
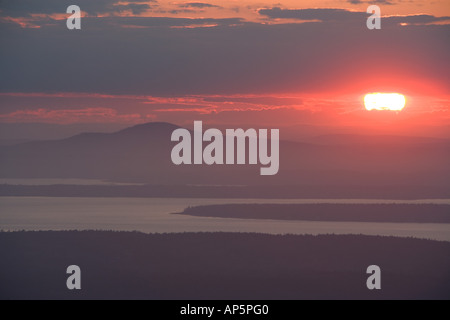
(290, 64)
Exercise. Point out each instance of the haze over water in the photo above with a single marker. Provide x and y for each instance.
(154, 215)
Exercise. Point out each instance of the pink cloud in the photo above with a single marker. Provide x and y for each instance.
(68, 116)
(67, 108)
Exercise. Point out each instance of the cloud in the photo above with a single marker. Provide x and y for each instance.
(135, 8)
(417, 19)
(25, 8)
(165, 22)
(125, 69)
(343, 15)
(161, 56)
(192, 7)
(112, 22)
(68, 116)
(199, 5)
(383, 2)
(312, 14)
(206, 103)
(298, 115)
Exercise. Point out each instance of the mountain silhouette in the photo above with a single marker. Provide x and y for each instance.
(142, 154)
(127, 154)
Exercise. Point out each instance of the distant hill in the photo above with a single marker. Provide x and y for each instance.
(403, 213)
(131, 154)
(142, 154)
(10, 142)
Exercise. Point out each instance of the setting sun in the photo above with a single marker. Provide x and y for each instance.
(384, 101)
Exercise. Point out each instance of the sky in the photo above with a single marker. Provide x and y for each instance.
(300, 65)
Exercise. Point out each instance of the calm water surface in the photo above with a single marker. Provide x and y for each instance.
(153, 215)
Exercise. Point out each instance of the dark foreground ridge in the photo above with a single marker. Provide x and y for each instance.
(413, 213)
(132, 265)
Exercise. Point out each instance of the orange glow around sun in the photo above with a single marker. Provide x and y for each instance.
(384, 101)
